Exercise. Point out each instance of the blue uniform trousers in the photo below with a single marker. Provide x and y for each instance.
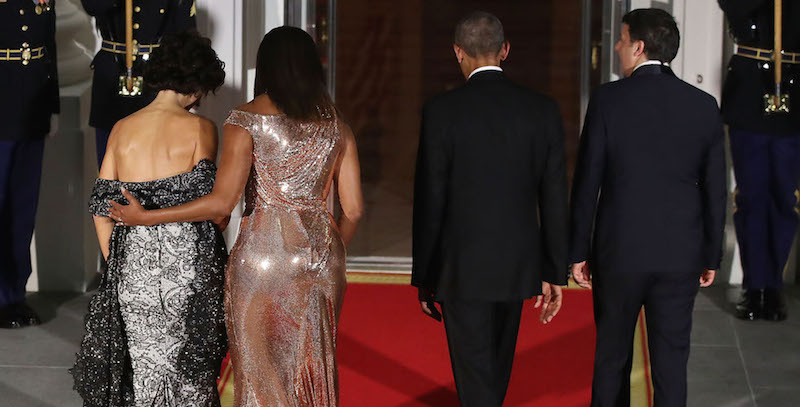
(101, 140)
(767, 169)
(20, 176)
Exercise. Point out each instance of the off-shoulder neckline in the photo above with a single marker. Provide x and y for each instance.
(202, 163)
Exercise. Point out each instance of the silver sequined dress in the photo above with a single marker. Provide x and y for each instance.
(155, 332)
(286, 274)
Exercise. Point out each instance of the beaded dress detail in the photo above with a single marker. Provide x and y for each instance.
(286, 274)
(155, 330)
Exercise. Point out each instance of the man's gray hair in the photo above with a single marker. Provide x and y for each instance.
(480, 34)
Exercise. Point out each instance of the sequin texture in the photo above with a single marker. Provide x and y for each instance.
(155, 333)
(286, 275)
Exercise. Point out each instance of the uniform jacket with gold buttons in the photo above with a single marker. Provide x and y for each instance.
(28, 89)
(152, 19)
(748, 80)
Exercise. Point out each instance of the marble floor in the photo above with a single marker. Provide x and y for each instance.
(733, 363)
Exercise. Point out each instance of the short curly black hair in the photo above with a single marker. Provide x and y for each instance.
(186, 63)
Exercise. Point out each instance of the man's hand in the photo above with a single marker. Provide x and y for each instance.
(550, 301)
(707, 278)
(581, 274)
(132, 214)
(428, 304)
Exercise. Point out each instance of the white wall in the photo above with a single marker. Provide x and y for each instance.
(702, 27)
(236, 28)
(700, 62)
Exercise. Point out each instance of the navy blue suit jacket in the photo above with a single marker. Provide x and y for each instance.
(650, 188)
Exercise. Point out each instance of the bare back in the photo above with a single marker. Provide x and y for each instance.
(156, 143)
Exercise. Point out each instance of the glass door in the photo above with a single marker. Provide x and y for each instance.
(317, 17)
(385, 58)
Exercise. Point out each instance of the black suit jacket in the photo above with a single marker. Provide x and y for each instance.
(652, 148)
(751, 23)
(28, 93)
(490, 193)
(155, 18)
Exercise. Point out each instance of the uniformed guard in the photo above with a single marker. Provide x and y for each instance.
(117, 88)
(761, 105)
(28, 100)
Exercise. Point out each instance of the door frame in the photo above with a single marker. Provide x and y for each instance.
(297, 14)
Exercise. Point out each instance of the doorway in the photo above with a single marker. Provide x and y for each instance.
(385, 58)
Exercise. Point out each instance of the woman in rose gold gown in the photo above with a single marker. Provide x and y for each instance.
(285, 278)
(286, 273)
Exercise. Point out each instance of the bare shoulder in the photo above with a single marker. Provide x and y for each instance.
(118, 132)
(206, 125)
(246, 107)
(207, 131)
(123, 124)
(348, 137)
(262, 104)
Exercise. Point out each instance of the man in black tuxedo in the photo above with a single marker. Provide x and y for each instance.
(652, 150)
(490, 211)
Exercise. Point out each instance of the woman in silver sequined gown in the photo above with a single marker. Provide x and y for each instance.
(155, 333)
(286, 274)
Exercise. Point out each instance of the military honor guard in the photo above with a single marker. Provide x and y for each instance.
(761, 105)
(131, 29)
(28, 99)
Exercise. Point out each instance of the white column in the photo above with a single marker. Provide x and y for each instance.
(236, 28)
(701, 63)
(75, 42)
(64, 251)
(702, 33)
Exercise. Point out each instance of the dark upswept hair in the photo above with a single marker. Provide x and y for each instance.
(657, 29)
(480, 33)
(289, 71)
(186, 63)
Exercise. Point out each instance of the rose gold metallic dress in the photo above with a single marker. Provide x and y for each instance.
(286, 273)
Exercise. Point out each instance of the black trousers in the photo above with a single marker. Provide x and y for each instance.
(20, 176)
(668, 300)
(482, 338)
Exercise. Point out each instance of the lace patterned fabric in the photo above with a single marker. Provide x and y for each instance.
(286, 275)
(155, 331)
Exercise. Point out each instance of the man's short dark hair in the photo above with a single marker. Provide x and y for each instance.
(480, 34)
(657, 29)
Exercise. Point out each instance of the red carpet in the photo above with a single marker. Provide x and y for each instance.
(390, 354)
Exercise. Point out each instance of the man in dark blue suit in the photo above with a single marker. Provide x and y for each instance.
(650, 181)
(28, 99)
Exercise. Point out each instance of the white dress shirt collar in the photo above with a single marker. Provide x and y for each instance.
(650, 62)
(486, 68)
